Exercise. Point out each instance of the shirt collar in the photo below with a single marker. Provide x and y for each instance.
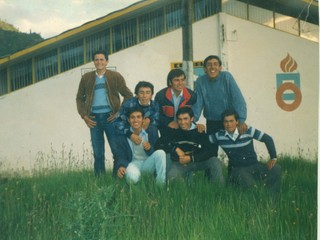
(143, 132)
(193, 126)
(174, 95)
(149, 103)
(100, 76)
(234, 135)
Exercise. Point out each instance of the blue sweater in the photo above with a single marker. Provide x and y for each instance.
(216, 96)
(241, 152)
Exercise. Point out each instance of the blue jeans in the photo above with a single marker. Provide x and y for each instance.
(156, 162)
(246, 177)
(211, 166)
(97, 140)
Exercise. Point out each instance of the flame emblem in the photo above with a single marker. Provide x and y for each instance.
(288, 64)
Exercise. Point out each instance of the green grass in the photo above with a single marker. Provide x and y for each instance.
(77, 205)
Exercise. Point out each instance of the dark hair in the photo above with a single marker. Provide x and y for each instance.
(176, 72)
(135, 109)
(105, 53)
(230, 112)
(184, 110)
(142, 84)
(211, 57)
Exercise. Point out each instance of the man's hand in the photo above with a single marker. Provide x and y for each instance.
(183, 158)
(89, 122)
(121, 172)
(179, 152)
(112, 117)
(173, 124)
(146, 146)
(135, 139)
(271, 163)
(201, 128)
(146, 123)
(242, 128)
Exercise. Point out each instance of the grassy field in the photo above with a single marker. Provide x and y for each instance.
(77, 205)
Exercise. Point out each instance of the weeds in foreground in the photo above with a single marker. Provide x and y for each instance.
(77, 205)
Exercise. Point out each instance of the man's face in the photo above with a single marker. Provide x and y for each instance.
(100, 62)
(230, 123)
(135, 120)
(177, 84)
(144, 95)
(212, 68)
(184, 121)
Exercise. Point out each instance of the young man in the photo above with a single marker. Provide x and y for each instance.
(216, 92)
(244, 168)
(190, 150)
(132, 159)
(143, 99)
(173, 97)
(98, 102)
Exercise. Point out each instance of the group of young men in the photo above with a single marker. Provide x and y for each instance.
(132, 128)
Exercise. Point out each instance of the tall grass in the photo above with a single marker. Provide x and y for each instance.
(77, 205)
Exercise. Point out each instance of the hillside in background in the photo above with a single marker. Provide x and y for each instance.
(12, 40)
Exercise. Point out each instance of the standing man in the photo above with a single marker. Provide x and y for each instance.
(190, 150)
(98, 102)
(143, 99)
(173, 97)
(244, 168)
(132, 159)
(216, 92)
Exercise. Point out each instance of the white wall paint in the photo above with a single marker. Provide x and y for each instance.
(41, 126)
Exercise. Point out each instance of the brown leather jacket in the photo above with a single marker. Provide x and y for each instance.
(115, 85)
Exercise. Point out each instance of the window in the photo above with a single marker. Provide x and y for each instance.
(3, 82)
(21, 75)
(46, 65)
(151, 25)
(205, 8)
(71, 55)
(173, 16)
(235, 8)
(124, 35)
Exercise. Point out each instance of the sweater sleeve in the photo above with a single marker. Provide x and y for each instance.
(80, 99)
(121, 123)
(267, 140)
(198, 106)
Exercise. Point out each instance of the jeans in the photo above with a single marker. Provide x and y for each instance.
(246, 177)
(97, 139)
(156, 162)
(211, 166)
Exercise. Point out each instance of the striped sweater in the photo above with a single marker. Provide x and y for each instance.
(241, 150)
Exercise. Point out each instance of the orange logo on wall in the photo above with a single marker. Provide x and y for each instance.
(288, 95)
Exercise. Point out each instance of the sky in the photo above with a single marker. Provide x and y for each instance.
(52, 17)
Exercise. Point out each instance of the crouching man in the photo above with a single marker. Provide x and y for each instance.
(244, 168)
(131, 159)
(190, 150)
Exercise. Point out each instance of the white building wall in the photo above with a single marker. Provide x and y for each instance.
(41, 127)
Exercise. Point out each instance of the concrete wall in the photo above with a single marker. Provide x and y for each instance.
(40, 126)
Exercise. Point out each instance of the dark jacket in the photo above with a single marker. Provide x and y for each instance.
(164, 99)
(192, 142)
(123, 153)
(115, 85)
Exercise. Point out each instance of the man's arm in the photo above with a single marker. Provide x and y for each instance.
(198, 105)
(268, 141)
